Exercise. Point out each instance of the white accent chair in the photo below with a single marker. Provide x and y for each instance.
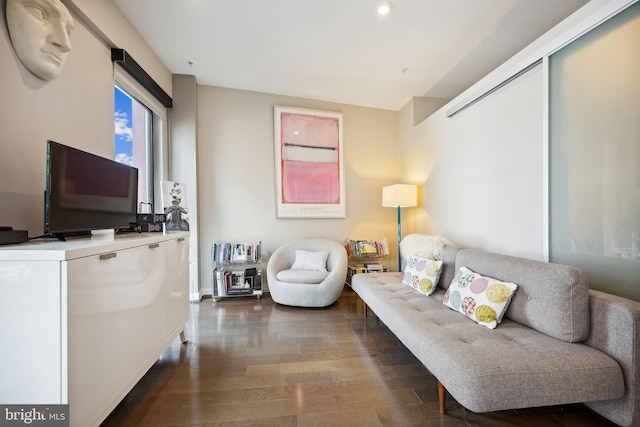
(305, 288)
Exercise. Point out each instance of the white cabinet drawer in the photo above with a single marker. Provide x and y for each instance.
(115, 281)
(117, 313)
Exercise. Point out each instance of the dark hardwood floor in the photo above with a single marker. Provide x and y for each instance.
(252, 362)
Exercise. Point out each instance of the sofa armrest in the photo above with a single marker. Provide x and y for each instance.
(615, 330)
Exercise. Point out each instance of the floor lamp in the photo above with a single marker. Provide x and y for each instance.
(399, 196)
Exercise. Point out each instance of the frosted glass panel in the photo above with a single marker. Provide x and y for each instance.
(595, 155)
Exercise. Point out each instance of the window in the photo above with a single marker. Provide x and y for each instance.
(140, 127)
(133, 142)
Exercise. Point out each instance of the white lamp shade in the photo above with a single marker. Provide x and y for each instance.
(403, 195)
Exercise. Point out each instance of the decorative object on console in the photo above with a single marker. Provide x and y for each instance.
(399, 196)
(309, 164)
(174, 201)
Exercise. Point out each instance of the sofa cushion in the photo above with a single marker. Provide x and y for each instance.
(551, 298)
(310, 261)
(302, 276)
(422, 274)
(482, 299)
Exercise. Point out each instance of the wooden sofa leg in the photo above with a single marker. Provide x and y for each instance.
(364, 308)
(442, 396)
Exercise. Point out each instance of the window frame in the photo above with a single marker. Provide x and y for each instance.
(158, 129)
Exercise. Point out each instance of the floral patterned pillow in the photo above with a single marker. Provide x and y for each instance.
(483, 299)
(422, 274)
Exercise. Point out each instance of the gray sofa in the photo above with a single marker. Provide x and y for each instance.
(558, 343)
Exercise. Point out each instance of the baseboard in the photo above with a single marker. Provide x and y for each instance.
(201, 294)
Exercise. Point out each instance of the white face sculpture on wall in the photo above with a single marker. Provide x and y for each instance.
(40, 31)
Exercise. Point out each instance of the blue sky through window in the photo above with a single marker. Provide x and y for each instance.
(123, 130)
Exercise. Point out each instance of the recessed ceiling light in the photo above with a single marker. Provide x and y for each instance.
(384, 8)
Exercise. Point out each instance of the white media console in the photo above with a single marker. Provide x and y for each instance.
(82, 321)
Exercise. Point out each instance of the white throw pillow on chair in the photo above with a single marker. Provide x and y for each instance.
(310, 261)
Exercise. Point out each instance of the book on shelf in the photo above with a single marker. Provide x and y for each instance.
(257, 282)
(237, 279)
(361, 268)
(240, 284)
(357, 269)
(239, 252)
(214, 276)
(236, 282)
(221, 252)
(373, 267)
(226, 252)
(384, 246)
(365, 248)
(220, 282)
(236, 269)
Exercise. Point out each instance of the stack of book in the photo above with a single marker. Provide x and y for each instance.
(374, 267)
(365, 268)
(235, 252)
(235, 281)
(365, 248)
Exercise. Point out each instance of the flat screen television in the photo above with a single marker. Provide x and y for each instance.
(87, 192)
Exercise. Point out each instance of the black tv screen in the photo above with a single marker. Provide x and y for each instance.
(87, 192)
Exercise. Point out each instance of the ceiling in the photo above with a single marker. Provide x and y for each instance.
(341, 50)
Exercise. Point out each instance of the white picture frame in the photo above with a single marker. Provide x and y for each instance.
(309, 163)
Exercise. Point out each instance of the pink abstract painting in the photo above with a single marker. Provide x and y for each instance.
(310, 159)
(309, 182)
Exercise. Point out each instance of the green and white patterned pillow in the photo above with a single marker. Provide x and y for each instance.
(483, 299)
(422, 274)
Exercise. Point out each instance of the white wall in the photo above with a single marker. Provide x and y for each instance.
(75, 109)
(236, 173)
(184, 165)
(483, 170)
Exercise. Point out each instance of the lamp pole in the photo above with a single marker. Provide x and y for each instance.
(397, 196)
(399, 238)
